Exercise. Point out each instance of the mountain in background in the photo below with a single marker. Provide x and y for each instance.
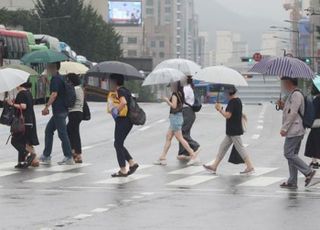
(213, 17)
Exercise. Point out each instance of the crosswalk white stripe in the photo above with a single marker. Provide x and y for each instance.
(82, 216)
(63, 168)
(54, 177)
(123, 180)
(7, 165)
(141, 167)
(100, 210)
(7, 173)
(144, 128)
(191, 181)
(188, 170)
(259, 171)
(262, 181)
(255, 137)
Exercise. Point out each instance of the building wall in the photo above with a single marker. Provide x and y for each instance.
(17, 4)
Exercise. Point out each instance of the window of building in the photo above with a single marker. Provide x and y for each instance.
(167, 10)
(149, 3)
(168, 18)
(154, 54)
(149, 11)
(153, 44)
(132, 40)
(132, 53)
(161, 54)
(168, 2)
(161, 44)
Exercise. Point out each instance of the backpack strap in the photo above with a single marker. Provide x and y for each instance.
(299, 112)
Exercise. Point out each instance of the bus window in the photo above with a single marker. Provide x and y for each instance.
(25, 45)
(9, 44)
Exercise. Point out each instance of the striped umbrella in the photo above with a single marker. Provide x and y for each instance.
(285, 67)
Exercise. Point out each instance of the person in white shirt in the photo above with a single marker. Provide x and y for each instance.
(189, 118)
(75, 117)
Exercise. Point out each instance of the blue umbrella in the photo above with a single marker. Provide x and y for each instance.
(316, 82)
(284, 67)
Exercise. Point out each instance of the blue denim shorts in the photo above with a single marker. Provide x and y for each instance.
(176, 122)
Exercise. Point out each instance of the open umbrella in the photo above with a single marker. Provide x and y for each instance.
(11, 78)
(44, 56)
(221, 75)
(24, 68)
(284, 66)
(72, 67)
(186, 66)
(163, 76)
(316, 82)
(115, 67)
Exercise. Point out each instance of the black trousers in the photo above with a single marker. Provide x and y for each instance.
(122, 129)
(189, 118)
(19, 142)
(73, 129)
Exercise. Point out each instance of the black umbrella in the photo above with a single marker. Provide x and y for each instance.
(115, 67)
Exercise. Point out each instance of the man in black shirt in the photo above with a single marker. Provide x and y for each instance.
(234, 130)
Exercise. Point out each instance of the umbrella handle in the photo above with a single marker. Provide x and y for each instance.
(277, 105)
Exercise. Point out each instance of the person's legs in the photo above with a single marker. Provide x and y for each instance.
(60, 123)
(189, 118)
(238, 144)
(167, 145)
(49, 132)
(224, 146)
(291, 151)
(19, 143)
(73, 128)
(179, 137)
(122, 130)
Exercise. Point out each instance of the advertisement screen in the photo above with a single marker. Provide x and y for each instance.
(125, 12)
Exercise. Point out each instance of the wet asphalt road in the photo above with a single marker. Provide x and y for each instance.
(171, 197)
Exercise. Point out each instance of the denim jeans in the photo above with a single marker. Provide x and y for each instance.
(57, 122)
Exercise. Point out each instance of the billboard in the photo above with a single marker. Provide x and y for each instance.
(127, 13)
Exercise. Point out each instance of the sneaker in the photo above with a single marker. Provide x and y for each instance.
(66, 161)
(160, 162)
(45, 160)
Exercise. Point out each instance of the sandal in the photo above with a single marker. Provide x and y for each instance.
(29, 159)
(288, 186)
(210, 169)
(133, 169)
(248, 172)
(119, 174)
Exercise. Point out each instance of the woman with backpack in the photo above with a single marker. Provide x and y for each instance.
(312, 146)
(24, 141)
(234, 130)
(118, 103)
(176, 121)
(75, 117)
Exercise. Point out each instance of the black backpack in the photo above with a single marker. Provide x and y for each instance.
(136, 114)
(197, 106)
(70, 94)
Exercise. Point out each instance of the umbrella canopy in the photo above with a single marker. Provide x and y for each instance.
(185, 66)
(316, 82)
(11, 78)
(72, 67)
(221, 75)
(115, 67)
(23, 68)
(44, 56)
(163, 76)
(284, 66)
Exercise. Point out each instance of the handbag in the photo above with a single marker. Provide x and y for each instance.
(86, 114)
(7, 114)
(316, 124)
(196, 107)
(235, 157)
(18, 124)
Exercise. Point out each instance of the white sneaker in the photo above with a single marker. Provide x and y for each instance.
(160, 162)
(45, 160)
(66, 161)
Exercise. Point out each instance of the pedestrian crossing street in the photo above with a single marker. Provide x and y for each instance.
(186, 177)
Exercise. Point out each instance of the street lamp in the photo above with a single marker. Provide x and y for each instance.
(51, 19)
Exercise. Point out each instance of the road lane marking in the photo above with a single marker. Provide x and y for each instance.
(246, 145)
(7, 173)
(141, 167)
(191, 181)
(123, 180)
(255, 136)
(261, 121)
(145, 128)
(136, 197)
(260, 127)
(7, 165)
(54, 177)
(82, 216)
(100, 210)
(188, 170)
(147, 193)
(161, 121)
(63, 168)
(262, 181)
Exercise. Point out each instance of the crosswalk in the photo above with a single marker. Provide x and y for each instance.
(178, 178)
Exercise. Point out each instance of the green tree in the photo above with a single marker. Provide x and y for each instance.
(85, 31)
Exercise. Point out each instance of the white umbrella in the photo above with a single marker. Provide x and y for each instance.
(72, 67)
(221, 75)
(11, 78)
(186, 66)
(163, 76)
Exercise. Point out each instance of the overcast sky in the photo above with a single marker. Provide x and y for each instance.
(251, 18)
